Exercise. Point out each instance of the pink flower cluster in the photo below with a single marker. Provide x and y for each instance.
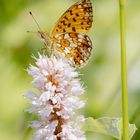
(57, 100)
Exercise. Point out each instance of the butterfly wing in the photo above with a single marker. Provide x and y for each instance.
(75, 47)
(78, 18)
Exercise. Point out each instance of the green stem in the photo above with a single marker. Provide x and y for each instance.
(124, 71)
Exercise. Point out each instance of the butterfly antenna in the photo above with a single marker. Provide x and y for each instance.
(35, 20)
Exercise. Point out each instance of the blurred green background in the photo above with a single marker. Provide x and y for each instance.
(101, 76)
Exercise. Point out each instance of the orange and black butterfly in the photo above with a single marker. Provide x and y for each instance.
(67, 38)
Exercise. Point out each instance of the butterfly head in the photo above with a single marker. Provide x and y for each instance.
(41, 35)
(45, 37)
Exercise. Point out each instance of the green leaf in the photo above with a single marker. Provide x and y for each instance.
(108, 126)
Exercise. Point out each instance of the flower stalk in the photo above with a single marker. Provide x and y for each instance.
(124, 71)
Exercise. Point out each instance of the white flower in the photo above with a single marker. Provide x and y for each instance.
(58, 99)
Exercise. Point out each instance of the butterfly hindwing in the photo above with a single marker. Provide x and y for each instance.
(78, 18)
(75, 47)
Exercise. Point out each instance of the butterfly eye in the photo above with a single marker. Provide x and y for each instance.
(42, 36)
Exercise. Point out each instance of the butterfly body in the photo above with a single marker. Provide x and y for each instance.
(67, 38)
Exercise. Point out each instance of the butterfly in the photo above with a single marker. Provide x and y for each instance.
(67, 38)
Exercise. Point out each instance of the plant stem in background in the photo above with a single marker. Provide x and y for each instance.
(124, 71)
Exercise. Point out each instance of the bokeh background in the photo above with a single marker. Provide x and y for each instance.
(101, 76)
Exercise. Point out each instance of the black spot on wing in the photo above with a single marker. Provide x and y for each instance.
(73, 29)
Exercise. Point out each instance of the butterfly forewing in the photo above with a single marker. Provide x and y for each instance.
(78, 18)
(75, 47)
